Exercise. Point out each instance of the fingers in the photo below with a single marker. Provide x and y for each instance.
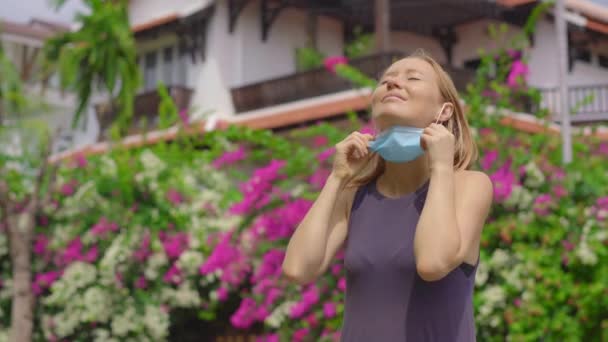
(361, 141)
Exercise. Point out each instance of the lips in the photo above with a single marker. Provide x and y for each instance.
(393, 96)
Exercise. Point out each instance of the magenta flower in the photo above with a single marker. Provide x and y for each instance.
(323, 156)
(332, 62)
(40, 244)
(319, 141)
(299, 335)
(230, 157)
(103, 226)
(43, 281)
(184, 117)
(270, 266)
(309, 298)
(69, 188)
(80, 160)
(174, 244)
(368, 129)
(222, 294)
(568, 246)
(141, 283)
(174, 197)
(542, 204)
(91, 255)
(519, 71)
(312, 320)
(257, 190)
(244, 316)
(488, 159)
(73, 251)
(319, 177)
(143, 252)
(173, 275)
(342, 284)
(559, 191)
(503, 180)
(329, 310)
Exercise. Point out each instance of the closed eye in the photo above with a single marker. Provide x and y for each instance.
(413, 79)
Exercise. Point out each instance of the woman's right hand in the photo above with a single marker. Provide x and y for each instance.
(351, 155)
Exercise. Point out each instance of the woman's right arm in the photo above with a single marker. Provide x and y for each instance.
(323, 230)
(320, 234)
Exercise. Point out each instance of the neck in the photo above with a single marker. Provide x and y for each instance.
(402, 178)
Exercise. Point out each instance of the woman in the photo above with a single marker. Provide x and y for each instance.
(408, 212)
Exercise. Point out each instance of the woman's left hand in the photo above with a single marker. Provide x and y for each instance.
(439, 143)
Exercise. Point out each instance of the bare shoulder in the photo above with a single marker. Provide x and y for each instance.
(474, 182)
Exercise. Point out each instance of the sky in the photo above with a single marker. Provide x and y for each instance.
(23, 10)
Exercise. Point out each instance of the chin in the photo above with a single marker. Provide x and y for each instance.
(384, 120)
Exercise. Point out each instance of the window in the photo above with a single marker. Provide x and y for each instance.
(182, 66)
(150, 71)
(603, 61)
(472, 64)
(582, 54)
(168, 66)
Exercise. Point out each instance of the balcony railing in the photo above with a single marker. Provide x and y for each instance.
(145, 106)
(588, 104)
(319, 81)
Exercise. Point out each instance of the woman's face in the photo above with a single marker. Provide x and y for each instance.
(407, 95)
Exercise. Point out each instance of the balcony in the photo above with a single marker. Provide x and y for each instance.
(589, 104)
(319, 81)
(145, 106)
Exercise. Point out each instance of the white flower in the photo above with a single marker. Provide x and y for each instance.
(534, 176)
(101, 335)
(3, 245)
(586, 254)
(108, 166)
(97, 305)
(65, 324)
(190, 261)
(156, 322)
(186, 297)
(124, 322)
(494, 295)
(155, 262)
(482, 274)
(500, 258)
(278, 315)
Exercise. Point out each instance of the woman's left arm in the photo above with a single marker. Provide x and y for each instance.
(454, 213)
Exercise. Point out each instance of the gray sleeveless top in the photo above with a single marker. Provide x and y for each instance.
(386, 300)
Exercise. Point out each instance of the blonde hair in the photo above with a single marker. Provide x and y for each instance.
(465, 151)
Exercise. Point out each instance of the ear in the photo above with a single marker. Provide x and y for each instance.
(447, 110)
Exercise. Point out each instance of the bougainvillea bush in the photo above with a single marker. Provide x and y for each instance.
(139, 242)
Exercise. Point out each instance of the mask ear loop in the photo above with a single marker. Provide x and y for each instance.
(439, 115)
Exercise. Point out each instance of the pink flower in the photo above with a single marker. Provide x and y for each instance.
(342, 284)
(312, 320)
(257, 190)
(184, 117)
(542, 204)
(43, 221)
(319, 177)
(488, 159)
(143, 252)
(174, 197)
(230, 157)
(80, 160)
(368, 129)
(141, 283)
(91, 255)
(69, 188)
(559, 191)
(44, 281)
(173, 275)
(503, 180)
(73, 252)
(517, 302)
(336, 269)
(332, 62)
(222, 294)
(323, 156)
(568, 246)
(103, 226)
(270, 266)
(40, 244)
(519, 71)
(329, 310)
(309, 298)
(175, 244)
(319, 141)
(299, 335)
(244, 316)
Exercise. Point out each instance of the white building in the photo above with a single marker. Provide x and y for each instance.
(22, 43)
(237, 57)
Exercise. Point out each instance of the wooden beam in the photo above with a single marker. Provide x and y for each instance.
(382, 25)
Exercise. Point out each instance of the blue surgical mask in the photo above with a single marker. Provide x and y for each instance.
(400, 144)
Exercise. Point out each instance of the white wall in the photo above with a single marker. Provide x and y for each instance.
(475, 35)
(143, 11)
(408, 42)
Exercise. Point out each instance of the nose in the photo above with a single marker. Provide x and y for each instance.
(391, 83)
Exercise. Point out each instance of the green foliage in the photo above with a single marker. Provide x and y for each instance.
(99, 55)
(308, 58)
